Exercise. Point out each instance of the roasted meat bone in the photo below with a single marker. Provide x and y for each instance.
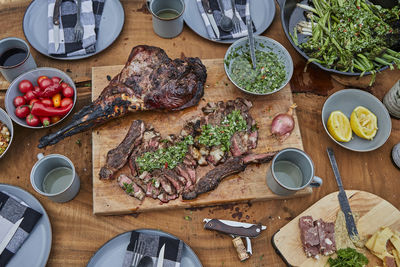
(150, 80)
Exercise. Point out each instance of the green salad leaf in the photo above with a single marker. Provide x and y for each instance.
(348, 257)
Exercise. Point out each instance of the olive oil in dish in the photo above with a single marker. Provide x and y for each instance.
(288, 173)
(12, 57)
(57, 180)
(167, 13)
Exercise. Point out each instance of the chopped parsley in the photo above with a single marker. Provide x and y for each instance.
(348, 257)
(128, 188)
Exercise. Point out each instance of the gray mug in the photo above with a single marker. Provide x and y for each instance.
(28, 63)
(167, 17)
(47, 164)
(291, 170)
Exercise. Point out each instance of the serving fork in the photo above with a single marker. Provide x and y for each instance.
(78, 30)
(138, 251)
(235, 19)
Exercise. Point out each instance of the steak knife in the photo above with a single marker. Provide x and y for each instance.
(56, 24)
(343, 201)
(209, 13)
(10, 235)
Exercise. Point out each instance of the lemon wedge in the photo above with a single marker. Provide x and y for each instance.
(364, 123)
(339, 126)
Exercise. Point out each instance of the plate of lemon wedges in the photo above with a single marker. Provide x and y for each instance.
(356, 120)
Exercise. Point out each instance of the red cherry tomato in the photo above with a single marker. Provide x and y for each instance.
(68, 91)
(29, 96)
(47, 102)
(22, 111)
(64, 85)
(32, 120)
(24, 86)
(45, 121)
(19, 101)
(41, 78)
(66, 101)
(33, 101)
(44, 83)
(56, 79)
(54, 119)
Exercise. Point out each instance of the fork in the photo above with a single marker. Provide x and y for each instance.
(235, 19)
(138, 251)
(78, 30)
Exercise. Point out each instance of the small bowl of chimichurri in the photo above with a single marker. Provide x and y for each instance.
(273, 70)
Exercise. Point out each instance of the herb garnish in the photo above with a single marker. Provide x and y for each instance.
(128, 188)
(348, 257)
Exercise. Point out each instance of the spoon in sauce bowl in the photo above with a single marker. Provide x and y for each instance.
(225, 22)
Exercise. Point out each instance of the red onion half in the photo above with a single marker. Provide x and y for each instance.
(283, 124)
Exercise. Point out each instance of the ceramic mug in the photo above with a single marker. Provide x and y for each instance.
(47, 164)
(28, 63)
(291, 170)
(167, 17)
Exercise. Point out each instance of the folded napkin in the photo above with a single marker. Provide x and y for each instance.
(172, 253)
(91, 11)
(242, 11)
(11, 210)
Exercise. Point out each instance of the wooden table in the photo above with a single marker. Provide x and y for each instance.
(77, 233)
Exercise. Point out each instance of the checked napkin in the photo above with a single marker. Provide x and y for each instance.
(11, 210)
(91, 11)
(242, 6)
(172, 254)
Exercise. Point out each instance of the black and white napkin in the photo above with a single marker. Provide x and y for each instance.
(11, 210)
(91, 11)
(172, 253)
(242, 11)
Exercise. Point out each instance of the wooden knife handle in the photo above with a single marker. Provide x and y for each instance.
(56, 12)
(217, 225)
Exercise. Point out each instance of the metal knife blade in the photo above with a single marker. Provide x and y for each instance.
(56, 24)
(209, 13)
(160, 259)
(251, 42)
(10, 235)
(234, 228)
(343, 201)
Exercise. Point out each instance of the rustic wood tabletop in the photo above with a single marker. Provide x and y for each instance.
(78, 234)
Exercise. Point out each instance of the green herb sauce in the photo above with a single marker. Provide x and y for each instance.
(268, 76)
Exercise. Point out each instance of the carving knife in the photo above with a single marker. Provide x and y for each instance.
(10, 235)
(251, 42)
(209, 13)
(343, 201)
(56, 24)
(160, 259)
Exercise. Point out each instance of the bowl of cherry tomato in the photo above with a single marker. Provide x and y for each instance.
(40, 98)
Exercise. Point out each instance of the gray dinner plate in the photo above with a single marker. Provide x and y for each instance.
(346, 101)
(35, 251)
(262, 12)
(112, 253)
(35, 27)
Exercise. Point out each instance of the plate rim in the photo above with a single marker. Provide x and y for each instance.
(142, 230)
(118, 4)
(368, 95)
(44, 215)
(231, 41)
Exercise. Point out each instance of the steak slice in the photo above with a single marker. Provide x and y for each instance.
(117, 157)
(130, 187)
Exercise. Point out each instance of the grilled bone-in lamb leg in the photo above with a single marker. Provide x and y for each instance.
(150, 80)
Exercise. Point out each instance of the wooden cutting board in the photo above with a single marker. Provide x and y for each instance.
(374, 213)
(249, 185)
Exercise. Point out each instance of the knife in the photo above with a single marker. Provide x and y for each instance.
(160, 259)
(56, 24)
(10, 235)
(343, 201)
(209, 13)
(251, 42)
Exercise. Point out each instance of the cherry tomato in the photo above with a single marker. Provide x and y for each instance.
(22, 111)
(19, 101)
(29, 96)
(24, 86)
(68, 91)
(54, 119)
(64, 85)
(33, 101)
(47, 102)
(56, 79)
(56, 100)
(41, 78)
(66, 101)
(32, 120)
(44, 83)
(45, 121)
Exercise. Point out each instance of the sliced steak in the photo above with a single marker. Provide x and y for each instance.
(130, 187)
(216, 155)
(239, 143)
(182, 171)
(165, 183)
(172, 177)
(117, 157)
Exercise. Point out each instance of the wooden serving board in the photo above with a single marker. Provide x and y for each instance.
(249, 185)
(374, 213)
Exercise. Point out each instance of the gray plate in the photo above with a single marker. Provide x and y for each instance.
(36, 248)
(35, 27)
(346, 101)
(112, 253)
(262, 12)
